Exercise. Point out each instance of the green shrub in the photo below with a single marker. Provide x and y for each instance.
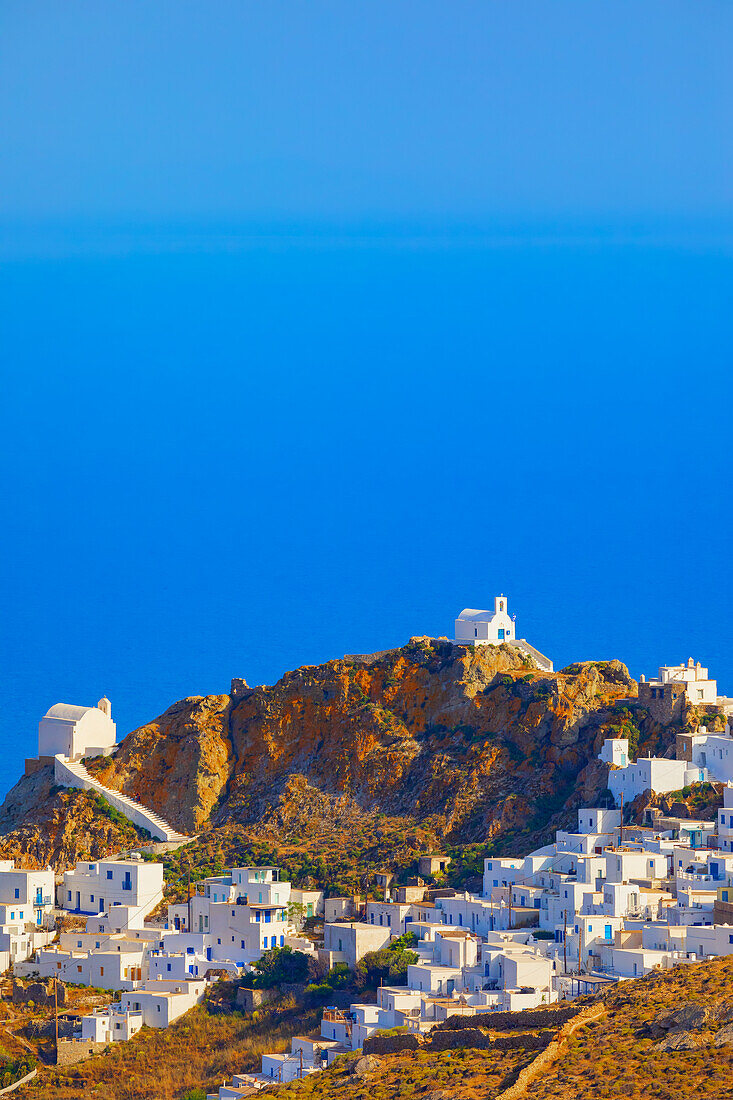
(278, 965)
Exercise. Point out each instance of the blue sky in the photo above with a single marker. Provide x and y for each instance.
(322, 322)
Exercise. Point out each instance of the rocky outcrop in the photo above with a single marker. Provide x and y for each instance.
(472, 744)
(43, 825)
(693, 1026)
(476, 736)
(178, 764)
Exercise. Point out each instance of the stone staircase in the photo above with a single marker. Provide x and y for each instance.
(529, 651)
(72, 773)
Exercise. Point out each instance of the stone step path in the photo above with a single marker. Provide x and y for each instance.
(72, 773)
(529, 650)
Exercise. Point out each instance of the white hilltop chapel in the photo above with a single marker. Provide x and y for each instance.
(476, 627)
(76, 732)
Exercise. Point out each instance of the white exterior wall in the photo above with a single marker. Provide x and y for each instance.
(33, 891)
(501, 872)
(714, 752)
(456, 951)
(108, 970)
(525, 969)
(160, 1002)
(693, 678)
(111, 1025)
(96, 887)
(434, 979)
(176, 966)
(599, 821)
(714, 940)
(615, 751)
(389, 914)
(311, 900)
(354, 940)
(725, 820)
(623, 865)
(239, 916)
(655, 774)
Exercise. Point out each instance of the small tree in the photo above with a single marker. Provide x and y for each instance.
(388, 964)
(278, 965)
(297, 913)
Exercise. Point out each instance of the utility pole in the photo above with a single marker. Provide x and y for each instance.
(565, 944)
(188, 894)
(56, 1014)
(580, 944)
(621, 827)
(301, 1062)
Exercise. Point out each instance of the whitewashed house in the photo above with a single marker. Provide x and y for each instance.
(691, 679)
(653, 773)
(31, 893)
(157, 1003)
(95, 887)
(349, 941)
(240, 915)
(725, 819)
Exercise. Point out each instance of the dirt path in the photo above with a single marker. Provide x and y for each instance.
(546, 1059)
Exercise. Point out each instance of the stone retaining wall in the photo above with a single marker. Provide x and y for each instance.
(71, 1051)
(390, 1044)
(250, 999)
(482, 1040)
(528, 1020)
(41, 993)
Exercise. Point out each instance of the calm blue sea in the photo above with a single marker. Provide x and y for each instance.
(230, 456)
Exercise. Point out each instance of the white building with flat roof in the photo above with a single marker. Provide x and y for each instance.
(31, 891)
(98, 886)
(692, 679)
(651, 773)
(157, 1003)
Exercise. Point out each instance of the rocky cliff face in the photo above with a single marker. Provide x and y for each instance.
(43, 825)
(472, 744)
(474, 737)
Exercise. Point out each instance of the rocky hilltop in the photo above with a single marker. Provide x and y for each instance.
(427, 744)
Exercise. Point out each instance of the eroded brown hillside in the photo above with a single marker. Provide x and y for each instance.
(476, 738)
(464, 745)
